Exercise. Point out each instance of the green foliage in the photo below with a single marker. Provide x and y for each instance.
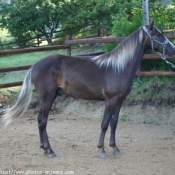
(148, 122)
(126, 21)
(25, 19)
(122, 117)
(129, 20)
(122, 27)
(157, 65)
(81, 13)
(164, 15)
(164, 19)
(152, 89)
(5, 37)
(25, 58)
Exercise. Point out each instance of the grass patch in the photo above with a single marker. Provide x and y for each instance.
(122, 117)
(15, 76)
(11, 77)
(148, 122)
(11, 93)
(25, 58)
(153, 90)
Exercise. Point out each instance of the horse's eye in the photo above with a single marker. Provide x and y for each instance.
(157, 34)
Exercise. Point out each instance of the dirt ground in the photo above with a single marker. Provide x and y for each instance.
(147, 149)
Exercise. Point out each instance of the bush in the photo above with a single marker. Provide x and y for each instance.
(5, 38)
(122, 27)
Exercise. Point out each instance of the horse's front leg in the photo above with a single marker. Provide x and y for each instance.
(113, 124)
(104, 127)
(109, 110)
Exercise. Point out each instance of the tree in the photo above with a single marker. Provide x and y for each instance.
(164, 15)
(28, 18)
(96, 12)
(78, 12)
(25, 19)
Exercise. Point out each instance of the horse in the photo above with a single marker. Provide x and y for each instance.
(107, 77)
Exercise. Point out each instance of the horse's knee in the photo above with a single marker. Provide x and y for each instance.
(42, 124)
(104, 127)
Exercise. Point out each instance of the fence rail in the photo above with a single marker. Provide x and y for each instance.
(33, 49)
(104, 40)
(67, 46)
(151, 74)
(39, 38)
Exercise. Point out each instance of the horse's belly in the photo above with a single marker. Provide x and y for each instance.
(83, 92)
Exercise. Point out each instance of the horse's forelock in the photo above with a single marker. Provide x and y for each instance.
(119, 57)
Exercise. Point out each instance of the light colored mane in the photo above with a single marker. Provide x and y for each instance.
(119, 57)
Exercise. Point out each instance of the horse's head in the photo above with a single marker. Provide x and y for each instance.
(157, 41)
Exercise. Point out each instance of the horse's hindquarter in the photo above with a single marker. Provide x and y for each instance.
(46, 73)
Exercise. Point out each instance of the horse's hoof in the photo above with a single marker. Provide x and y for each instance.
(103, 155)
(117, 153)
(51, 155)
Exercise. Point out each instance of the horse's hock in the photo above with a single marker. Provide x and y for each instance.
(148, 114)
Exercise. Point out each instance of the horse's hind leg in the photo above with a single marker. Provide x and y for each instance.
(46, 103)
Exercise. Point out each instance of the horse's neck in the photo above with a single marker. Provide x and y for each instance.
(134, 64)
(125, 58)
(134, 55)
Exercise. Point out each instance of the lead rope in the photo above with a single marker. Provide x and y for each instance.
(163, 45)
(167, 62)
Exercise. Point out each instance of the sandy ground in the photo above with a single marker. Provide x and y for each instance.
(146, 149)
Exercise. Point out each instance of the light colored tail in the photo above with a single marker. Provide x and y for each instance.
(22, 103)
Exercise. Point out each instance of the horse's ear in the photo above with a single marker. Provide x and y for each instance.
(151, 24)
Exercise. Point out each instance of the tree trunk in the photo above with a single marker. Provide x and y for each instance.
(49, 39)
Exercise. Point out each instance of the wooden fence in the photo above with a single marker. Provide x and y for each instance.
(38, 40)
(69, 42)
(67, 46)
(36, 48)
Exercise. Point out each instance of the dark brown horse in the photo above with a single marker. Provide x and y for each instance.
(107, 77)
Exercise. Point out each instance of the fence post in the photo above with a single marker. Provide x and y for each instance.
(146, 19)
(139, 78)
(69, 37)
(102, 30)
(38, 37)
